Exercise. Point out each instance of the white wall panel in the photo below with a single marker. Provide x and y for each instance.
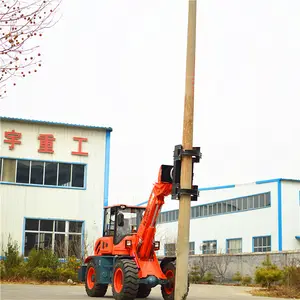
(290, 215)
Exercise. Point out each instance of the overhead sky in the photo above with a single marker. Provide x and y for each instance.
(121, 63)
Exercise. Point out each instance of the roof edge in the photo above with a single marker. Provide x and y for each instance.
(236, 185)
(21, 120)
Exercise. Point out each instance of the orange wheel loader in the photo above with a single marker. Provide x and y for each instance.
(124, 257)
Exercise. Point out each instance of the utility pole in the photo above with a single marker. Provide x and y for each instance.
(181, 280)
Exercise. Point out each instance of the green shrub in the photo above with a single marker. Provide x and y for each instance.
(208, 277)
(194, 275)
(44, 274)
(65, 273)
(41, 265)
(72, 263)
(268, 274)
(42, 259)
(12, 259)
(2, 270)
(291, 277)
(195, 279)
(246, 280)
(237, 277)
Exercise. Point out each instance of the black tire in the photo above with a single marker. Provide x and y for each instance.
(144, 291)
(126, 285)
(93, 289)
(168, 291)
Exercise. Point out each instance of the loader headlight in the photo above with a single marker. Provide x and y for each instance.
(128, 243)
(156, 246)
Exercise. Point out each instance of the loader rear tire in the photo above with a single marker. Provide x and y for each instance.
(125, 282)
(92, 288)
(168, 291)
(144, 291)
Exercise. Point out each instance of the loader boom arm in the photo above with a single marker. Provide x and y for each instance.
(147, 228)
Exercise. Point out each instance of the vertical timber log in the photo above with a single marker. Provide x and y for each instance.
(181, 281)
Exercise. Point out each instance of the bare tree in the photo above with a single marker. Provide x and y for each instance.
(22, 23)
(205, 264)
(221, 263)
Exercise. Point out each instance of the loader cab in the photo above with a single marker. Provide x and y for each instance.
(121, 221)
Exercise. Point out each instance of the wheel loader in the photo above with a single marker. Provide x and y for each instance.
(124, 257)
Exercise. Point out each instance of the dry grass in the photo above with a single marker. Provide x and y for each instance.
(277, 292)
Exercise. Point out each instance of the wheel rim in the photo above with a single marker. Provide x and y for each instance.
(91, 278)
(118, 280)
(169, 287)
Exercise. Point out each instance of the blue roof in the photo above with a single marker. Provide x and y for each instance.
(54, 123)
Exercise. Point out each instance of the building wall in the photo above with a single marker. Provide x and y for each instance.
(290, 215)
(241, 224)
(19, 201)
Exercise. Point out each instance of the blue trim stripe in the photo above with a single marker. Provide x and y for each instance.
(44, 185)
(297, 237)
(106, 168)
(52, 219)
(53, 123)
(23, 237)
(279, 191)
(217, 187)
(267, 181)
(276, 180)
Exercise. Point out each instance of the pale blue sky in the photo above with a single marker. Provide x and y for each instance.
(121, 63)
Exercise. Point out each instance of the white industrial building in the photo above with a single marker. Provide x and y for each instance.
(257, 217)
(53, 184)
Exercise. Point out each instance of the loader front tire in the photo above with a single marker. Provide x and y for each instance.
(92, 288)
(144, 291)
(168, 290)
(125, 283)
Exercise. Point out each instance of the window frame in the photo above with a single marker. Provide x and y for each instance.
(234, 239)
(261, 247)
(44, 162)
(192, 248)
(209, 242)
(165, 250)
(66, 233)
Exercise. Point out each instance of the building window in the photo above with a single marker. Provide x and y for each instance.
(262, 244)
(42, 173)
(170, 249)
(234, 246)
(192, 248)
(62, 237)
(222, 207)
(209, 247)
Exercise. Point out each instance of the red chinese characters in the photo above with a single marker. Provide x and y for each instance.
(13, 138)
(79, 150)
(46, 143)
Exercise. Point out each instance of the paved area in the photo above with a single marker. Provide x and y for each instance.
(42, 292)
